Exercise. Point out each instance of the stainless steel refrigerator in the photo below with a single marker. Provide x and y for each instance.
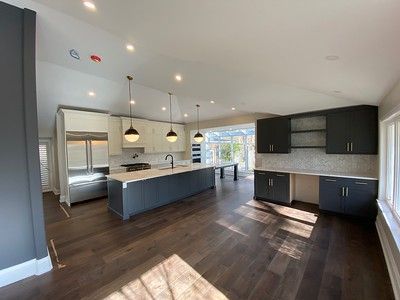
(87, 155)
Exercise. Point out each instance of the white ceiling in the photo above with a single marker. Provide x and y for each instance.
(259, 56)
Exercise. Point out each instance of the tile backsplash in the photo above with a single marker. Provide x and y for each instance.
(116, 161)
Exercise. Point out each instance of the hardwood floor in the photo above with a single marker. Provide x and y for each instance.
(216, 245)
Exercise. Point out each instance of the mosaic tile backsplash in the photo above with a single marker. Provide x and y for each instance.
(116, 161)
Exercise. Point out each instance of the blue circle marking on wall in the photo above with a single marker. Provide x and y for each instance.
(74, 53)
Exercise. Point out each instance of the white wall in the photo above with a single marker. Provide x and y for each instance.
(391, 103)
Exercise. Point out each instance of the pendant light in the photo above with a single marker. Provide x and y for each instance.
(171, 135)
(131, 135)
(198, 137)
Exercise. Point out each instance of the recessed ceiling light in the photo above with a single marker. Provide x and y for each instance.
(90, 5)
(178, 77)
(185, 115)
(337, 92)
(163, 108)
(132, 102)
(91, 94)
(332, 57)
(233, 108)
(212, 101)
(130, 47)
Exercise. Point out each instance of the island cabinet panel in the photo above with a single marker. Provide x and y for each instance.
(352, 131)
(355, 197)
(127, 199)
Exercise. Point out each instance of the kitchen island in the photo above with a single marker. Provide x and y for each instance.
(135, 192)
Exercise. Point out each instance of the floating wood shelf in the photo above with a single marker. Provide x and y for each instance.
(308, 147)
(308, 130)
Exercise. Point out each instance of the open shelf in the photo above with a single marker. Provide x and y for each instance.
(308, 147)
(308, 130)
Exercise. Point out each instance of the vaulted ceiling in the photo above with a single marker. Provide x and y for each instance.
(257, 56)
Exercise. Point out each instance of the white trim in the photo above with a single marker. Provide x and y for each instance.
(389, 247)
(24, 270)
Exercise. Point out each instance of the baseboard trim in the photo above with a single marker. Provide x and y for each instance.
(394, 272)
(24, 270)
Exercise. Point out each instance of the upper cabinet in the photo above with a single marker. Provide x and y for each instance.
(75, 120)
(114, 136)
(273, 135)
(352, 131)
(152, 136)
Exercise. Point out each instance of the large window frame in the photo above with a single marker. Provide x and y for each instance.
(220, 140)
(390, 164)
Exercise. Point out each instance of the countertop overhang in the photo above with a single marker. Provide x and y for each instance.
(127, 177)
(320, 173)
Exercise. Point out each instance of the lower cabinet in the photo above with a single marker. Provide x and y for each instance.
(146, 194)
(272, 186)
(355, 197)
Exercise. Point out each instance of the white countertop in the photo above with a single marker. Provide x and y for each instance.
(320, 173)
(153, 173)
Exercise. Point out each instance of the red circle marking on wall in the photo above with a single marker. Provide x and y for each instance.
(95, 58)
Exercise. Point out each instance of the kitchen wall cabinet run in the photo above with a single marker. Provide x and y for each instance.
(273, 135)
(353, 197)
(352, 131)
(114, 136)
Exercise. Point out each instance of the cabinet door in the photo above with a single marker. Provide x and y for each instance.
(281, 135)
(114, 136)
(364, 131)
(261, 184)
(331, 194)
(135, 200)
(264, 136)
(337, 133)
(281, 187)
(361, 198)
(150, 193)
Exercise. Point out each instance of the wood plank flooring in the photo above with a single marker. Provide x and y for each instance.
(220, 244)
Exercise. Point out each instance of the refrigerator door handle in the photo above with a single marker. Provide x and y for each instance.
(91, 157)
(87, 157)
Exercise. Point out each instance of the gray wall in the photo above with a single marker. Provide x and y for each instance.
(22, 234)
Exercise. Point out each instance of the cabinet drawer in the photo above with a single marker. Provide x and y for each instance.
(370, 185)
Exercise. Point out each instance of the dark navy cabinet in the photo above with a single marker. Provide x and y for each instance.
(354, 131)
(272, 186)
(146, 194)
(355, 197)
(273, 135)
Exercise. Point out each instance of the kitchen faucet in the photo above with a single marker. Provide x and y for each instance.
(172, 159)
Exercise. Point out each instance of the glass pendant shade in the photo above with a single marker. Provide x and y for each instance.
(172, 136)
(131, 135)
(198, 137)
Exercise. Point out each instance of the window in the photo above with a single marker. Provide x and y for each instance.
(44, 156)
(231, 145)
(392, 164)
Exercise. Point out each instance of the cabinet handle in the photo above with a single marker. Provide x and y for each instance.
(272, 147)
(269, 182)
(260, 173)
(347, 191)
(351, 147)
(343, 191)
(347, 147)
(272, 182)
(361, 183)
(330, 180)
(280, 175)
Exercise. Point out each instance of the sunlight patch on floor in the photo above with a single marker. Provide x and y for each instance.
(229, 225)
(291, 212)
(172, 278)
